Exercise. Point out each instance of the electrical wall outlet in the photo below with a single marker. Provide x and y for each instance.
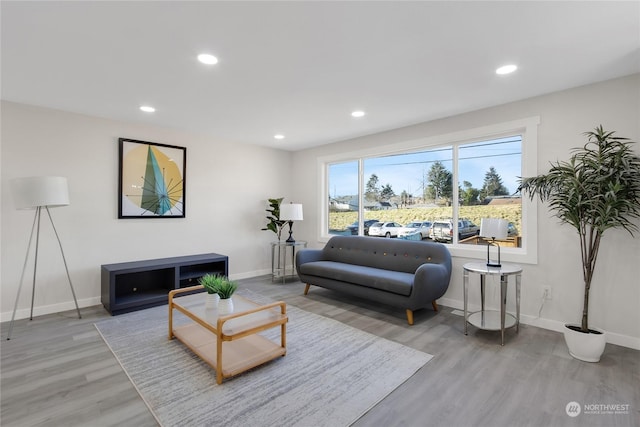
(546, 292)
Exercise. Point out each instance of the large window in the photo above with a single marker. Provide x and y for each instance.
(451, 185)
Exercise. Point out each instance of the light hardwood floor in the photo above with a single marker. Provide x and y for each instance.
(57, 371)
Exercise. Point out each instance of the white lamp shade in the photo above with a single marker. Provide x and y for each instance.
(494, 228)
(291, 212)
(37, 191)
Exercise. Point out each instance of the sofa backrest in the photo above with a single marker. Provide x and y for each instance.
(388, 254)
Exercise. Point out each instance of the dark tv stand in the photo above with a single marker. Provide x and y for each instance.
(130, 286)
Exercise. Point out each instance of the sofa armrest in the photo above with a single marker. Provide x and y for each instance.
(431, 282)
(304, 256)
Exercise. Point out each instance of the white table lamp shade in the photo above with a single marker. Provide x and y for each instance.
(291, 212)
(35, 191)
(494, 228)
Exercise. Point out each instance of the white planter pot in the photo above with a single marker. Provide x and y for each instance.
(586, 347)
(211, 300)
(225, 306)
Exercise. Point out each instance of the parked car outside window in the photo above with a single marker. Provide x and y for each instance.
(442, 230)
(385, 229)
(367, 223)
(422, 227)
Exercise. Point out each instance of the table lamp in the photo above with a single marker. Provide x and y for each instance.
(494, 229)
(291, 212)
(37, 193)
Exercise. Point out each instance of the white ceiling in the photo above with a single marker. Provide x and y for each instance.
(300, 68)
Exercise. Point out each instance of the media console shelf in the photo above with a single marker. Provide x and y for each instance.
(130, 286)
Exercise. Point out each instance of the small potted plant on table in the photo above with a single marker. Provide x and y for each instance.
(210, 283)
(226, 288)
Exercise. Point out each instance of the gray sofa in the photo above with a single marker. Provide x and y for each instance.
(400, 273)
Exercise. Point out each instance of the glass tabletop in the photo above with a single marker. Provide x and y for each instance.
(195, 304)
(483, 268)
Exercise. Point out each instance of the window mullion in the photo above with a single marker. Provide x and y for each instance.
(361, 197)
(455, 196)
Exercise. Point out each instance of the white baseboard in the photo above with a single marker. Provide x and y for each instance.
(249, 274)
(23, 313)
(553, 325)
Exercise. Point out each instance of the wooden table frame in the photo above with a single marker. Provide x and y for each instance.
(245, 348)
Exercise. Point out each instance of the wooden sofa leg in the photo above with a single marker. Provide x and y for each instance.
(409, 316)
(435, 305)
(306, 289)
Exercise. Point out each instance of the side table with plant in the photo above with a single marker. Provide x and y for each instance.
(276, 225)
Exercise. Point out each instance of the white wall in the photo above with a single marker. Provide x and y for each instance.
(227, 189)
(615, 294)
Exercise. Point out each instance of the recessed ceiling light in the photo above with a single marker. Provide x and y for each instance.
(506, 69)
(278, 136)
(357, 113)
(147, 109)
(205, 58)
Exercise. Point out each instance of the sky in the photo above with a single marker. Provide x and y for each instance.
(408, 171)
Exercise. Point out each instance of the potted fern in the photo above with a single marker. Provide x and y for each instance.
(597, 189)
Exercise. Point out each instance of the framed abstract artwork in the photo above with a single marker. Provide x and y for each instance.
(151, 181)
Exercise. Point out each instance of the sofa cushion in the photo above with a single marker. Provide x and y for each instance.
(386, 254)
(391, 281)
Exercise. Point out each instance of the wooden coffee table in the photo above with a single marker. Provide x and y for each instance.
(230, 343)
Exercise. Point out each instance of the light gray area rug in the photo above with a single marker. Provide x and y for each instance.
(332, 373)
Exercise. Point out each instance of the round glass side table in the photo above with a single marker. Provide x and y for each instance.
(492, 320)
(283, 259)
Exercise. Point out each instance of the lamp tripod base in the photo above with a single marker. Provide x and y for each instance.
(36, 222)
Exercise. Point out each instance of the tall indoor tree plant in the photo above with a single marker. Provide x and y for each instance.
(598, 188)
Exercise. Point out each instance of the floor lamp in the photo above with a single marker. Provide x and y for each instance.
(40, 192)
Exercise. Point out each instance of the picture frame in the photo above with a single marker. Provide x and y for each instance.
(151, 180)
